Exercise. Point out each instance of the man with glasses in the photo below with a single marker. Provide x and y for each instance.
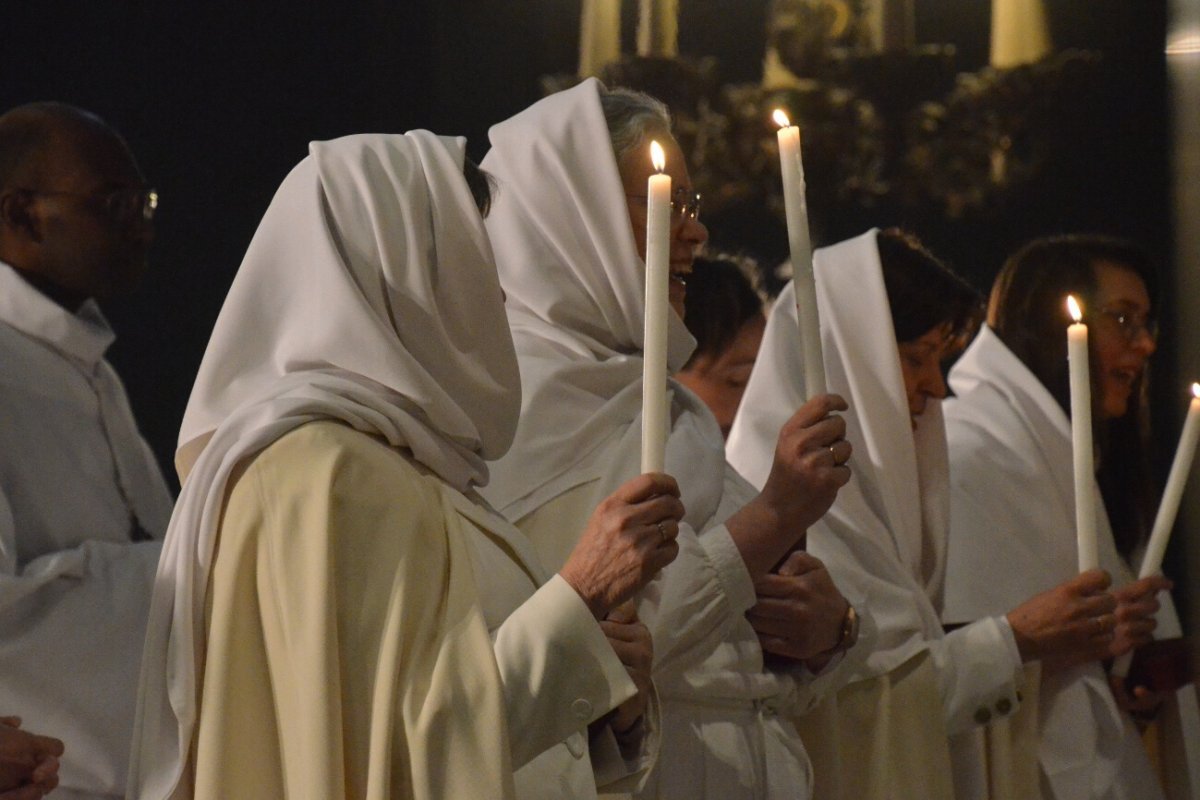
(82, 501)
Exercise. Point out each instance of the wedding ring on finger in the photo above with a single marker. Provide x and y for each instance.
(662, 533)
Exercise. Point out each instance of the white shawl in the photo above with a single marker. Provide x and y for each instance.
(883, 539)
(362, 298)
(575, 285)
(569, 266)
(1012, 536)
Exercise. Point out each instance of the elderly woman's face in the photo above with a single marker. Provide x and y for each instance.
(687, 232)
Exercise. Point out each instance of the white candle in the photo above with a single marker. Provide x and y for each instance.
(1081, 439)
(1164, 521)
(1173, 493)
(796, 208)
(654, 369)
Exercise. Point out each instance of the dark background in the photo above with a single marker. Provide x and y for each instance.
(218, 101)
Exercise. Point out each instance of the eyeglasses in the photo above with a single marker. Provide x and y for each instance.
(685, 204)
(1131, 324)
(122, 206)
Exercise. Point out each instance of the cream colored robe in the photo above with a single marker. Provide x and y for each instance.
(360, 664)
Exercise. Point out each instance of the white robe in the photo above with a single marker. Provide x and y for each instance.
(884, 538)
(1012, 514)
(367, 297)
(569, 266)
(74, 588)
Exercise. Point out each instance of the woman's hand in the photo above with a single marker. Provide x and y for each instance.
(1071, 624)
(28, 762)
(1137, 603)
(629, 538)
(800, 611)
(808, 470)
(810, 461)
(630, 640)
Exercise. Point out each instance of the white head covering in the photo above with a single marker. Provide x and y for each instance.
(884, 538)
(568, 262)
(368, 296)
(1014, 511)
(1033, 453)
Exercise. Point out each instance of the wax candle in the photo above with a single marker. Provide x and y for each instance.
(796, 208)
(1173, 493)
(654, 365)
(1168, 507)
(1081, 439)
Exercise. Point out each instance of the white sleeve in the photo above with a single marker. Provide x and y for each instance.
(558, 669)
(72, 625)
(979, 673)
(693, 601)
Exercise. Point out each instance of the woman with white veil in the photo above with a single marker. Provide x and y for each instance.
(906, 724)
(337, 612)
(1013, 504)
(568, 228)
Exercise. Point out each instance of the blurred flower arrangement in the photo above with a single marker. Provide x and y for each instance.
(898, 129)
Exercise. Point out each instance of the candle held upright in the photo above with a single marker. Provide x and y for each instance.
(1081, 439)
(800, 246)
(654, 364)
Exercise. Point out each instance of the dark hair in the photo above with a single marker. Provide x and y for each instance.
(1027, 311)
(922, 292)
(481, 183)
(722, 296)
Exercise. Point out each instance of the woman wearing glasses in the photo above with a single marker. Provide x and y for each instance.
(1012, 511)
(568, 230)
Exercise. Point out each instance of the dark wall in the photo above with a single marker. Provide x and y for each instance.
(218, 101)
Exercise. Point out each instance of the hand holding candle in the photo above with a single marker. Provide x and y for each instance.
(796, 208)
(1168, 508)
(654, 364)
(1081, 439)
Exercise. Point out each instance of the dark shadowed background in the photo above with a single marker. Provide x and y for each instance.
(218, 100)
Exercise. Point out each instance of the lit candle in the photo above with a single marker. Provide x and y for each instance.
(1081, 439)
(1169, 506)
(796, 208)
(654, 367)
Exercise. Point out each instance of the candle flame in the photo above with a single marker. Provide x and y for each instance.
(657, 157)
(1196, 390)
(781, 119)
(1073, 308)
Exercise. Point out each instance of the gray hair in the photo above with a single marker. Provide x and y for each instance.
(631, 115)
